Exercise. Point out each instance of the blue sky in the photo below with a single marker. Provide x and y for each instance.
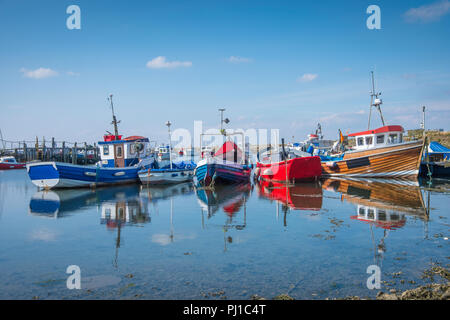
(271, 64)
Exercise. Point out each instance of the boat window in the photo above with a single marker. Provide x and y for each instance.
(119, 152)
(395, 217)
(132, 149)
(393, 138)
(382, 215)
(360, 141)
(105, 150)
(400, 140)
(361, 212)
(370, 214)
(369, 141)
(380, 139)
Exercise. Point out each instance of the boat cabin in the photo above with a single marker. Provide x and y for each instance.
(118, 152)
(8, 160)
(206, 151)
(163, 153)
(381, 137)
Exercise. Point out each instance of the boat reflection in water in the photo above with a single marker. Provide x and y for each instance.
(119, 206)
(231, 199)
(123, 207)
(163, 192)
(302, 196)
(384, 204)
(60, 203)
(154, 193)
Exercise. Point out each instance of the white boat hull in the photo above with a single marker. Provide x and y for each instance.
(156, 177)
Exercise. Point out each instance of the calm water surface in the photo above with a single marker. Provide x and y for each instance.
(311, 241)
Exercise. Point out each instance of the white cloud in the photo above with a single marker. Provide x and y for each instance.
(235, 59)
(428, 13)
(307, 77)
(40, 73)
(71, 73)
(160, 62)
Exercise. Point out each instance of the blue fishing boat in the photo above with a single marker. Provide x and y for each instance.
(121, 159)
(120, 163)
(435, 161)
(227, 166)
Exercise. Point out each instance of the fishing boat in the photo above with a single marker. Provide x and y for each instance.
(163, 154)
(121, 159)
(377, 152)
(9, 163)
(165, 171)
(227, 166)
(435, 161)
(288, 166)
(176, 172)
(314, 144)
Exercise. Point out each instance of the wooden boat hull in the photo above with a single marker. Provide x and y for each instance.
(402, 160)
(294, 170)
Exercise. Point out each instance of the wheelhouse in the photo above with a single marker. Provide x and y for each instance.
(381, 137)
(118, 152)
(8, 160)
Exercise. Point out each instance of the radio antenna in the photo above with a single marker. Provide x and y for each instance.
(114, 122)
(375, 102)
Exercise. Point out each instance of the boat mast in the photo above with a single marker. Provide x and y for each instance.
(375, 102)
(3, 141)
(114, 122)
(170, 144)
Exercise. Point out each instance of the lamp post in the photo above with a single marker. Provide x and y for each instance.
(170, 144)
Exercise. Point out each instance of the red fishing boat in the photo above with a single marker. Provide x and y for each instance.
(287, 166)
(7, 163)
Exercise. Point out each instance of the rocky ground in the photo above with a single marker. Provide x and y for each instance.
(432, 291)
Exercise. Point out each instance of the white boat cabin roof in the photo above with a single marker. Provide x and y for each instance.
(8, 159)
(380, 137)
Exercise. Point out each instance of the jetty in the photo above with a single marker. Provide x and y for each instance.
(50, 150)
